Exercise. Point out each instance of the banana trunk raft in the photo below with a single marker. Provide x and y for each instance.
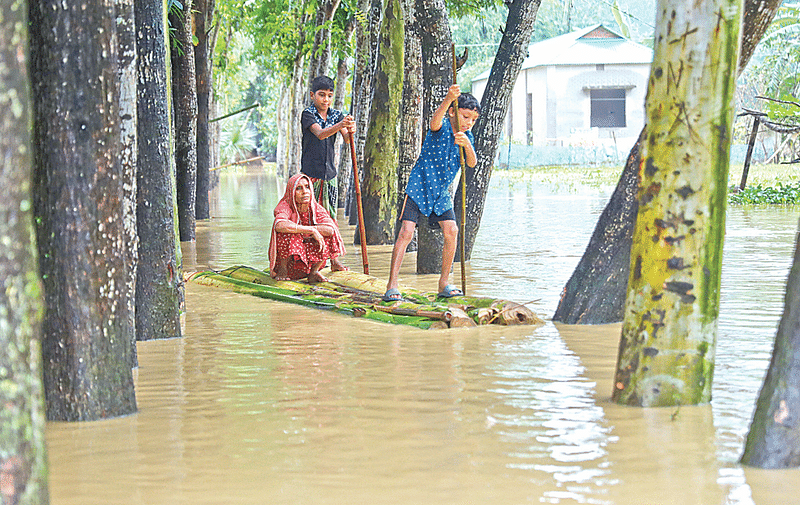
(359, 295)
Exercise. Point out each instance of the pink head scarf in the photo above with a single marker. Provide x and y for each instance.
(287, 210)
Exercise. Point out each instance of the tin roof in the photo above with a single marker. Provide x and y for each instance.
(588, 46)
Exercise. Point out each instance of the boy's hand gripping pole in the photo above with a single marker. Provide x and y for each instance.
(361, 232)
(461, 226)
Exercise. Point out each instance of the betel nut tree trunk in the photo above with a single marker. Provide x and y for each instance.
(78, 203)
(379, 191)
(666, 353)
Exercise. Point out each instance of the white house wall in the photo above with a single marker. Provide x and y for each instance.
(561, 105)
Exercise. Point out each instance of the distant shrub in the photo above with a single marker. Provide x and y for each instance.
(782, 194)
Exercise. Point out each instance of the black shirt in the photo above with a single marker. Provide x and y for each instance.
(317, 158)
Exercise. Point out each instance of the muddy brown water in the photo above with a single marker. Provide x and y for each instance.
(267, 403)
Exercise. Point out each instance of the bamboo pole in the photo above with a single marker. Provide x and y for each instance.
(248, 160)
(361, 232)
(462, 224)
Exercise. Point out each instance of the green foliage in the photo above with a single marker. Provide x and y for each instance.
(774, 70)
(237, 140)
(782, 194)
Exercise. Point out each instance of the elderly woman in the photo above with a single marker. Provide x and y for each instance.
(304, 236)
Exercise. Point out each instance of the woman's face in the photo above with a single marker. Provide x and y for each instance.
(302, 192)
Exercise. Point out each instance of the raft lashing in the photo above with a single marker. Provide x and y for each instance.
(359, 295)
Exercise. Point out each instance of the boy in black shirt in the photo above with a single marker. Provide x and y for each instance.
(320, 124)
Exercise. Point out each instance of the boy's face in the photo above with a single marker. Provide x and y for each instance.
(322, 99)
(466, 118)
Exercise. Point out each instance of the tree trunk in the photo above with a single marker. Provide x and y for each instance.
(204, 14)
(381, 156)
(345, 170)
(437, 72)
(602, 266)
(321, 50)
(23, 456)
(608, 252)
(507, 63)
(126, 34)
(666, 353)
(774, 437)
(78, 202)
(363, 75)
(158, 281)
(184, 99)
(411, 112)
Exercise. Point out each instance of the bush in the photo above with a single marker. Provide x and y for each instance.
(782, 194)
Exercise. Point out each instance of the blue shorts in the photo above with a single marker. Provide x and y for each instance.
(412, 213)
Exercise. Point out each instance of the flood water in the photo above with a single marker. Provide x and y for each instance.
(267, 403)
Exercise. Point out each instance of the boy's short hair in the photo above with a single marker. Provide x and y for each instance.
(467, 101)
(321, 82)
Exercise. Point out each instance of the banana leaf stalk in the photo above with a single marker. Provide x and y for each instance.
(498, 311)
(347, 290)
(215, 279)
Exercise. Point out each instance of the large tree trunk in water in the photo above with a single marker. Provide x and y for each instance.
(158, 281)
(666, 353)
(184, 99)
(601, 263)
(204, 13)
(23, 456)
(507, 63)
(437, 72)
(126, 34)
(603, 259)
(78, 202)
(774, 437)
(381, 157)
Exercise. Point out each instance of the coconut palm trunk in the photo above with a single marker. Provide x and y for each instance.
(666, 354)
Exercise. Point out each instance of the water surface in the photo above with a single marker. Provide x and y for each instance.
(262, 402)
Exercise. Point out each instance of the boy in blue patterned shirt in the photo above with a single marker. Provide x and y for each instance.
(320, 124)
(427, 190)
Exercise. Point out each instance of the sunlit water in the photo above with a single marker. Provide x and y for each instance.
(266, 403)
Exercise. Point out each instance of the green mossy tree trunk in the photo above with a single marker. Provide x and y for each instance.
(78, 203)
(158, 279)
(595, 293)
(774, 437)
(379, 191)
(184, 100)
(666, 353)
(23, 457)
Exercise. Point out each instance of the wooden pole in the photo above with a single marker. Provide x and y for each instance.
(461, 226)
(750, 144)
(361, 232)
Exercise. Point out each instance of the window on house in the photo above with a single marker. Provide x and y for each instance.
(608, 108)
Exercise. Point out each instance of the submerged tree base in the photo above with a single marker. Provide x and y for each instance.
(359, 295)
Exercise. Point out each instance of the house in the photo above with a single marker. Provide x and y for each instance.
(584, 88)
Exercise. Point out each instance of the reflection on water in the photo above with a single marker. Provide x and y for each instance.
(268, 403)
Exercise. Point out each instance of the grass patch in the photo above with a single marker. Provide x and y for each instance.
(771, 184)
(570, 175)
